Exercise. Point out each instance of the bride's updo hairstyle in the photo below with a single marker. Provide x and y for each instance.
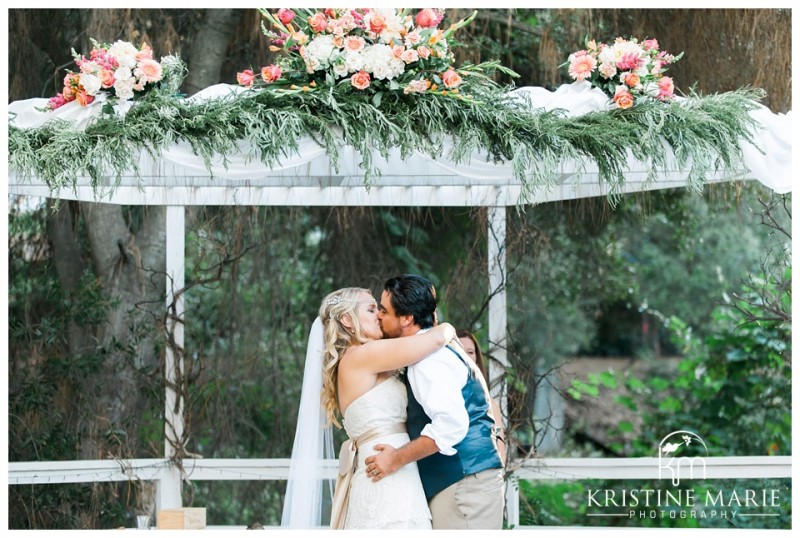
(337, 338)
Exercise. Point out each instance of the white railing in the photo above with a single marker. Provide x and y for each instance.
(565, 469)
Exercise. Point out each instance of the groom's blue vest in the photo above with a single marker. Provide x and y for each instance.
(475, 453)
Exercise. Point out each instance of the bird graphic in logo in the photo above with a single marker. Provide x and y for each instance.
(670, 448)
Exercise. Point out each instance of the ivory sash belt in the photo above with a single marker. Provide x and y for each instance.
(347, 467)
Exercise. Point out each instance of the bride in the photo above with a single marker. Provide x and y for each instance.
(354, 370)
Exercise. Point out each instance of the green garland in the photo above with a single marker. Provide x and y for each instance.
(704, 132)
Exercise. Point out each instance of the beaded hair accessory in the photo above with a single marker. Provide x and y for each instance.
(336, 299)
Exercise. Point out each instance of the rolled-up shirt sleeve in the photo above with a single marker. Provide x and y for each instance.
(437, 382)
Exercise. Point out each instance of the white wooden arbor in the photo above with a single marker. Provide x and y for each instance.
(179, 179)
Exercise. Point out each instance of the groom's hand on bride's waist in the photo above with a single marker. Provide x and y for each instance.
(390, 459)
(384, 463)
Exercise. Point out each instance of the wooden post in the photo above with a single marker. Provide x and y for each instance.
(169, 487)
(497, 303)
(498, 336)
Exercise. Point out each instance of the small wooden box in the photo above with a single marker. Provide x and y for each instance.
(182, 518)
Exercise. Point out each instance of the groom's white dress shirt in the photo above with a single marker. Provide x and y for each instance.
(436, 382)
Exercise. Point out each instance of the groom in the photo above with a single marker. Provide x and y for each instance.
(449, 419)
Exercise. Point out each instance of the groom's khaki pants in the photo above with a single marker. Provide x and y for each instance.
(474, 502)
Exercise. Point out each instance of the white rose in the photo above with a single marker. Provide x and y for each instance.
(650, 89)
(340, 69)
(354, 61)
(90, 83)
(125, 54)
(322, 49)
(124, 88)
(380, 71)
(123, 73)
(607, 56)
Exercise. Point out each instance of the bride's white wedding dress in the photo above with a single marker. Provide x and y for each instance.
(396, 501)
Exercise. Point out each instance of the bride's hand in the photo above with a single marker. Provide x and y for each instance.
(448, 331)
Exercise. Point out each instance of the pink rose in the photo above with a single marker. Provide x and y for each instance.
(270, 73)
(428, 18)
(666, 88)
(451, 79)
(623, 98)
(360, 80)
(409, 56)
(632, 80)
(246, 77)
(285, 15)
(397, 51)
(650, 44)
(377, 23)
(423, 52)
(318, 22)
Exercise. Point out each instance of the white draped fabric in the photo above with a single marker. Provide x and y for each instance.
(182, 177)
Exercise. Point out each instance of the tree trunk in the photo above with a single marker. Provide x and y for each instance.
(132, 269)
(209, 48)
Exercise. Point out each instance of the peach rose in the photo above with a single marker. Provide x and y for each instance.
(271, 73)
(632, 80)
(423, 52)
(377, 23)
(354, 43)
(145, 53)
(360, 80)
(83, 98)
(451, 79)
(246, 77)
(318, 22)
(623, 98)
(106, 77)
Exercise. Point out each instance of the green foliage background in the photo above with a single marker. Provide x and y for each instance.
(581, 280)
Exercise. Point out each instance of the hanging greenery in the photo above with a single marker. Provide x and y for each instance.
(704, 133)
(415, 104)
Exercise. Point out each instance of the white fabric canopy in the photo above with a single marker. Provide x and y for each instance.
(181, 178)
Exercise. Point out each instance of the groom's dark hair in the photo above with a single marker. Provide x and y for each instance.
(413, 295)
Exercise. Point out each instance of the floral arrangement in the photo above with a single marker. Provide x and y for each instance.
(120, 70)
(365, 50)
(625, 70)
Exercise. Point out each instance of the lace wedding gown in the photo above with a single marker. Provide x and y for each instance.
(396, 501)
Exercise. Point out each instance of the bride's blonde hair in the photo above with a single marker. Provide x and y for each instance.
(337, 338)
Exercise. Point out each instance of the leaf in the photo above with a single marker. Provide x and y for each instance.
(376, 99)
(608, 379)
(626, 401)
(625, 426)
